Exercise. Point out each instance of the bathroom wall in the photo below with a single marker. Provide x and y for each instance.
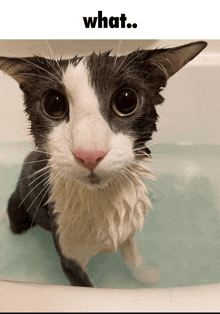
(191, 111)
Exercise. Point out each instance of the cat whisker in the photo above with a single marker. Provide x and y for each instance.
(152, 144)
(53, 55)
(150, 177)
(156, 186)
(29, 176)
(150, 155)
(153, 154)
(38, 151)
(51, 179)
(46, 172)
(144, 169)
(145, 146)
(135, 71)
(145, 160)
(139, 148)
(41, 68)
(135, 57)
(158, 172)
(50, 62)
(33, 190)
(48, 184)
(123, 61)
(151, 169)
(39, 206)
(131, 175)
(31, 149)
(143, 154)
(38, 75)
(35, 161)
(35, 172)
(116, 56)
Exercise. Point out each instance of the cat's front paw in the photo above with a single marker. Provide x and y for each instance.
(3, 216)
(144, 273)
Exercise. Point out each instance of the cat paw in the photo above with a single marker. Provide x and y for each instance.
(3, 216)
(24, 226)
(144, 273)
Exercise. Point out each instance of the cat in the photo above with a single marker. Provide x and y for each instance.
(90, 117)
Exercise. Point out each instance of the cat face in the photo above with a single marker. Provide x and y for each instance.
(99, 133)
(93, 114)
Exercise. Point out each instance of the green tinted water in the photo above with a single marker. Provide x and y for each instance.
(181, 235)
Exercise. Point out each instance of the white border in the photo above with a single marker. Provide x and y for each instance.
(156, 19)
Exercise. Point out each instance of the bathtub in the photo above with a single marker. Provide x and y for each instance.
(181, 235)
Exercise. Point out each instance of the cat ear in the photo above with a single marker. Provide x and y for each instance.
(170, 61)
(14, 67)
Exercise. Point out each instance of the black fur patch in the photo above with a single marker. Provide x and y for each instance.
(38, 75)
(110, 73)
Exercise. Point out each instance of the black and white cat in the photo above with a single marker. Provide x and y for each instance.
(90, 118)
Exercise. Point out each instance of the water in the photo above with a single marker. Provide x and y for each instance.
(181, 235)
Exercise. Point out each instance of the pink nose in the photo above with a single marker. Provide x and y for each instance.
(89, 158)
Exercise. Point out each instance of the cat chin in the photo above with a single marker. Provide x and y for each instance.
(94, 181)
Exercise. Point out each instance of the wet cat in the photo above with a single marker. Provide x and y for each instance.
(90, 118)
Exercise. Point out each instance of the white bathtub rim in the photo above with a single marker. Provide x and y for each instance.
(26, 297)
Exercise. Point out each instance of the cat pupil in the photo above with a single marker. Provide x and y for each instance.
(125, 102)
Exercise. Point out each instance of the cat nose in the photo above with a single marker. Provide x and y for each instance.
(89, 158)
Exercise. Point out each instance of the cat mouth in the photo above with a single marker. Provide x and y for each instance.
(94, 178)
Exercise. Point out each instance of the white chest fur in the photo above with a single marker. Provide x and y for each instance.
(99, 220)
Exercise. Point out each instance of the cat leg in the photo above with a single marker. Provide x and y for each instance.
(135, 262)
(73, 265)
(76, 274)
(20, 221)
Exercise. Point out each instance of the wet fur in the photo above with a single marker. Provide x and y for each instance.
(101, 211)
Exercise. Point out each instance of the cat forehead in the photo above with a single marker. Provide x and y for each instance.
(76, 79)
(94, 78)
(99, 76)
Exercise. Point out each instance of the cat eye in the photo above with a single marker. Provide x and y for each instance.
(125, 101)
(54, 104)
